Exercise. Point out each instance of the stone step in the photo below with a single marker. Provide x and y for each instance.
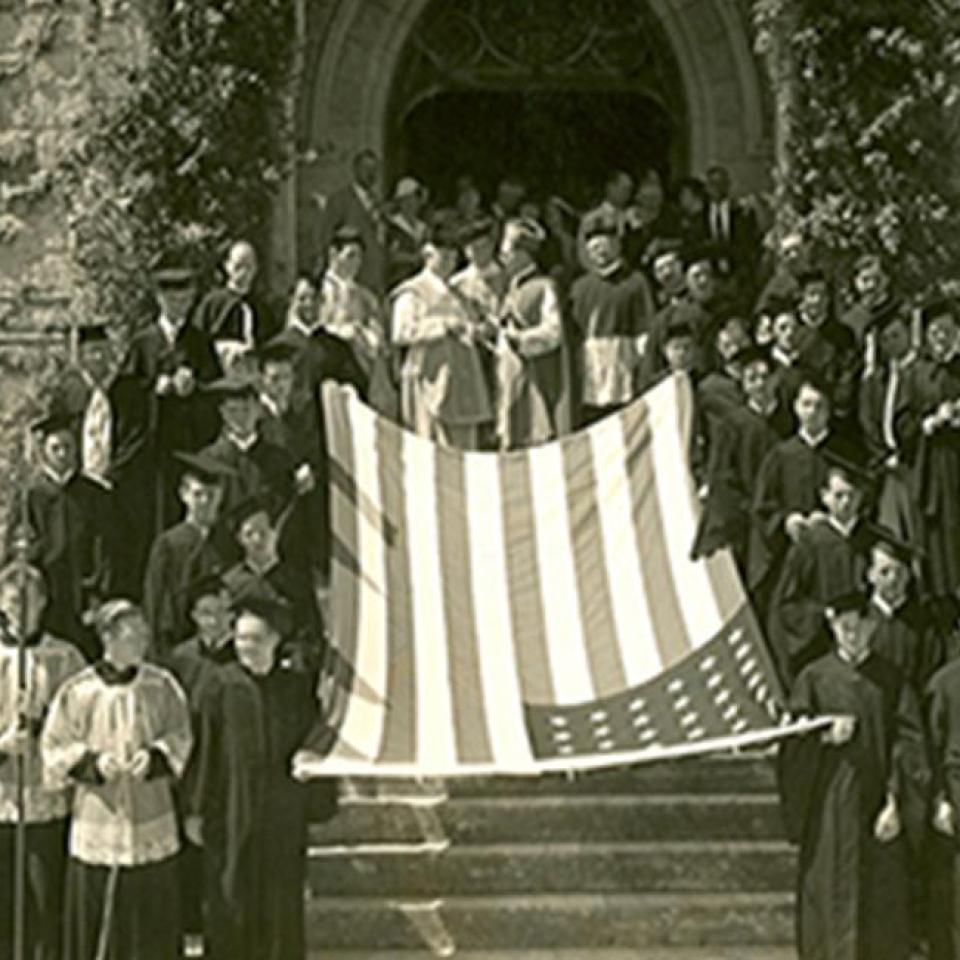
(770, 952)
(544, 922)
(432, 870)
(724, 774)
(534, 819)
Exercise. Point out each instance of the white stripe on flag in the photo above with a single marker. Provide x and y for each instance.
(635, 630)
(671, 463)
(566, 649)
(363, 723)
(436, 733)
(499, 669)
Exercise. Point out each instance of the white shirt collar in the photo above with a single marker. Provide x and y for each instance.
(270, 405)
(295, 323)
(787, 359)
(60, 479)
(810, 440)
(170, 329)
(527, 272)
(844, 529)
(768, 411)
(904, 361)
(887, 609)
(243, 444)
(846, 658)
(610, 269)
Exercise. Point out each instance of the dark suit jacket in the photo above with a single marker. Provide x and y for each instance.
(344, 209)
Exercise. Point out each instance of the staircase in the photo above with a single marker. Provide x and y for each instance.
(673, 861)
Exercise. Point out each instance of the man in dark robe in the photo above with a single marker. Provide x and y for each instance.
(610, 310)
(233, 317)
(890, 420)
(163, 410)
(743, 438)
(842, 791)
(937, 468)
(68, 528)
(829, 348)
(829, 556)
(873, 288)
(785, 351)
(185, 552)
(788, 487)
(256, 526)
(257, 466)
(251, 816)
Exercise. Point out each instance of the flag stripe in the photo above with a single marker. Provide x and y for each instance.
(499, 666)
(344, 532)
(362, 728)
(596, 607)
(672, 415)
(436, 741)
(400, 738)
(460, 615)
(524, 579)
(634, 626)
(669, 626)
(566, 643)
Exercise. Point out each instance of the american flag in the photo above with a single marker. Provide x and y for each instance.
(532, 611)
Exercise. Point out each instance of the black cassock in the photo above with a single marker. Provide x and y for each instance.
(70, 527)
(254, 813)
(937, 476)
(178, 558)
(823, 564)
(852, 889)
(153, 427)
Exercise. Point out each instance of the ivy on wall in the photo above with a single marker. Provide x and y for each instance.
(872, 129)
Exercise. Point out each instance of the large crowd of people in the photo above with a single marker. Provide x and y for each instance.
(167, 559)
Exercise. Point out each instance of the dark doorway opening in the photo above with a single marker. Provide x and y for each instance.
(558, 142)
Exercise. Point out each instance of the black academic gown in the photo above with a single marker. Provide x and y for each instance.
(71, 545)
(829, 351)
(821, 565)
(937, 478)
(790, 479)
(179, 557)
(852, 889)
(151, 428)
(220, 316)
(253, 812)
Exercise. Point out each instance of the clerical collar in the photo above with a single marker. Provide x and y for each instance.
(113, 675)
(853, 661)
(60, 479)
(844, 529)
(812, 440)
(243, 444)
(610, 269)
(295, 323)
(889, 610)
(768, 411)
(781, 356)
(171, 328)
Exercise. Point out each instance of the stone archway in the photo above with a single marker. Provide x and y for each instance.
(354, 48)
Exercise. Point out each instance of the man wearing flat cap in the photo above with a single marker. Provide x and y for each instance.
(166, 365)
(443, 389)
(533, 381)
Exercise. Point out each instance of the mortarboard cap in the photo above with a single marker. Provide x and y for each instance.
(751, 353)
(110, 612)
(55, 421)
(847, 462)
(846, 602)
(205, 467)
(264, 602)
(443, 235)
(230, 387)
(346, 235)
(477, 229)
(940, 307)
(208, 585)
(265, 501)
(601, 227)
(885, 539)
(93, 333)
(172, 270)
(813, 275)
(777, 306)
(277, 350)
(892, 311)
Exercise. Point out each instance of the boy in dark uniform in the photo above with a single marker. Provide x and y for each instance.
(186, 551)
(842, 796)
(68, 516)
